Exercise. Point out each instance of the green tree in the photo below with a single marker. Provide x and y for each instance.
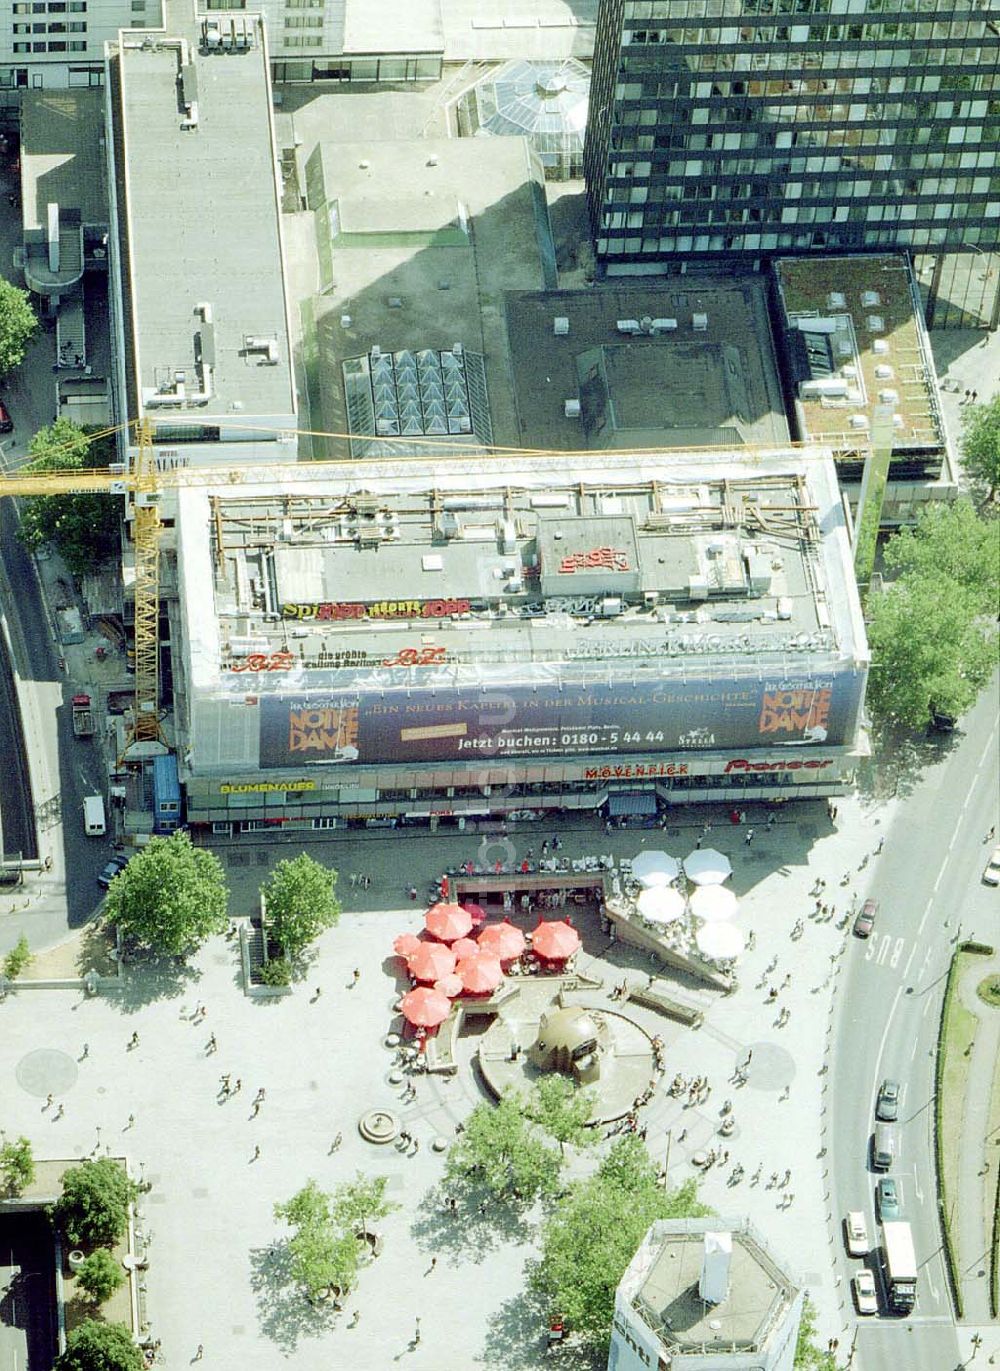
(980, 444)
(950, 541)
(100, 1275)
(17, 1166)
(323, 1257)
(18, 959)
(562, 1110)
(93, 1207)
(808, 1356)
(594, 1233)
(361, 1202)
(930, 650)
(84, 528)
(98, 1346)
(170, 897)
(300, 902)
(18, 325)
(500, 1150)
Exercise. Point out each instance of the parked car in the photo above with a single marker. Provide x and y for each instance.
(991, 875)
(887, 1198)
(857, 1234)
(864, 1292)
(887, 1104)
(6, 422)
(865, 921)
(112, 869)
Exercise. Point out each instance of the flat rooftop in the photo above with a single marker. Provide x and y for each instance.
(854, 341)
(424, 236)
(667, 1298)
(501, 30)
(203, 230)
(62, 155)
(411, 27)
(728, 566)
(708, 386)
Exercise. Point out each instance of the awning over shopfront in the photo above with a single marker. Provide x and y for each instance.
(631, 802)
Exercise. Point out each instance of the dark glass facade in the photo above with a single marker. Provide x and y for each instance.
(741, 128)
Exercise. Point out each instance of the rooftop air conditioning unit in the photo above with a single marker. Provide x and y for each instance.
(571, 409)
(560, 326)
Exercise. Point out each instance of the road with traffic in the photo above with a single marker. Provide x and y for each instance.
(928, 883)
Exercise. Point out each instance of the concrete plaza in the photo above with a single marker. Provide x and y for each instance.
(322, 1063)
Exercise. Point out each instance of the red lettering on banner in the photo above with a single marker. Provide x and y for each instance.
(261, 661)
(604, 558)
(417, 656)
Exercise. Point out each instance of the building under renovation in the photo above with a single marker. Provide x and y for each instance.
(392, 644)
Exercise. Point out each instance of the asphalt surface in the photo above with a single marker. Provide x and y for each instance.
(27, 1293)
(928, 882)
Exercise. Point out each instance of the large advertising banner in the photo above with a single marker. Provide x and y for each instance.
(400, 725)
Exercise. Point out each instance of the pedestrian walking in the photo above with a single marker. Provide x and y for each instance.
(787, 1176)
(131, 1122)
(416, 1333)
(238, 1086)
(751, 940)
(200, 1352)
(772, 820)
(881, 844)
(317, 993)
(755, 1178)
(256, 1153)
(355, 1319)
(59, 1112)
(48, 1102)
(224, 1084)
(336, 1142)
(434, 1262)
(749, 838)
(991, 835)
(86, 1051)
(772, 1181)
(212, 1045)
(353, 879)
(787, 981)
(356, 977)
(133, 1041)
(965, 398)
(975, 396)
(259, 1097)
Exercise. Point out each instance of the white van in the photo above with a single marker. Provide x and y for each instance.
(93, 816)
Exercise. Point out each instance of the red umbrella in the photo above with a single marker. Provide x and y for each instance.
(406, 944)
(450, 985)
(476, 910)
(425, 1007)
(465, 947)
(555, 940)
(480, 974)
(502, 940)
(431, 961)
(448, 922)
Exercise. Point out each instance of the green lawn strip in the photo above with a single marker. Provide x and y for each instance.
(993, 1194)
(957, 1031)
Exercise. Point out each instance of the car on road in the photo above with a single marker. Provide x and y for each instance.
(112, 869)
(991, 876)
(887, 1198)
(857, 1234)
(864, 1292)
(6, 422)
(887, 1104)
(865, 921)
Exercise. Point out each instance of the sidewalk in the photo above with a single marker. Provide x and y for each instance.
(978, 1158)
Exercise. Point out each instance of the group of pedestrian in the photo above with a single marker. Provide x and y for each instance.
(969, 398)
(411, 1144)
(358, 878)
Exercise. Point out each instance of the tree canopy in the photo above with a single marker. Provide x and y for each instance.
(170, 897)
(361, 1202)
(17, 1166)
(809, 1356)
(300, 902)
(83, 528)
(323, 1255)
(18, 325)
(98, 1346)
(980, 444)
(562, 1109)
(950, 541)
(93, 1206)
(501, 1150)
(595, 1231)
(931, 652)
(100, 1275)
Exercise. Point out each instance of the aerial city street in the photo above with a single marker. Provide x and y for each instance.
(499, 692)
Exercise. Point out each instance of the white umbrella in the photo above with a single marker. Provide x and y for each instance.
(714, 903)
(655, 868)
(662, 905)
(720, 940)
(707, 867)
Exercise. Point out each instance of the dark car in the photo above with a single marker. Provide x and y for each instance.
(112, 869)
(865, 921)
(887, 1104)
(6, 422)
(888, 1198)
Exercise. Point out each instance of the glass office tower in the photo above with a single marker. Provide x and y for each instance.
(740, 128)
